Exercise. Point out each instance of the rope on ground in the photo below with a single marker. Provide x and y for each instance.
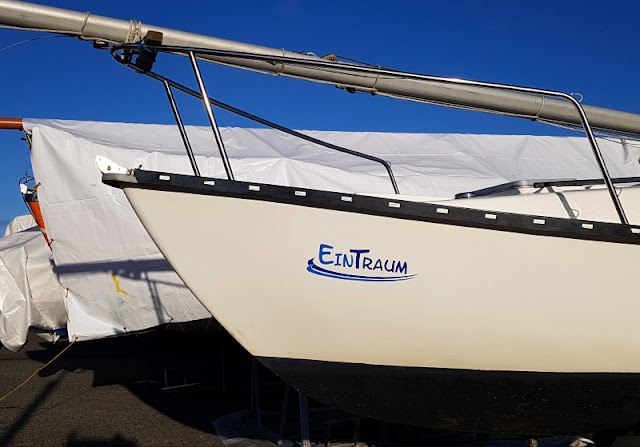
(36, 372)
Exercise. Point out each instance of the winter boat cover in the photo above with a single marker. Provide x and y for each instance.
(30, 294)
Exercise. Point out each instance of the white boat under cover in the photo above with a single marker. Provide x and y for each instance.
(30, 294)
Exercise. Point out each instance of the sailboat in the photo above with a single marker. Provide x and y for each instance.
(482, 314)
(509, 309)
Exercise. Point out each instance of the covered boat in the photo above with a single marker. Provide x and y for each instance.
(30, 295)
(114, 280)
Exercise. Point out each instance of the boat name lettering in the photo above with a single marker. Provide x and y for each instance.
(357, 265)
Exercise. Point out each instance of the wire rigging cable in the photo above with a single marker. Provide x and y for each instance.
(29, 40)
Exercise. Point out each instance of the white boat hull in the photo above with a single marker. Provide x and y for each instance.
(497, 312)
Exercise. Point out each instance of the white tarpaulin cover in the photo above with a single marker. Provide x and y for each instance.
(20, 223)
(117, 279)
(30, 295)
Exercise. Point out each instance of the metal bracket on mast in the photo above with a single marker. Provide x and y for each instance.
(147, 55)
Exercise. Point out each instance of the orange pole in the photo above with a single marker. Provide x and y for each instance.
(11, 123)
(37, 215)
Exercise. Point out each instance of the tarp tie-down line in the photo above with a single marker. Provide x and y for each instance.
(37, 371)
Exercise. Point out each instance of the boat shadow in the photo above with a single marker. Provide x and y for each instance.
(154, 272)
(200, 378)
(187, 372)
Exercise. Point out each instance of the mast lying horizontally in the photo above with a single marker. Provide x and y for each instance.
(92, 27)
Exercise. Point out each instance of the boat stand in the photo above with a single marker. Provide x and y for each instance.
(326, 420)
(255, 392)
(183, 376)
(303, 404)
(323, 419)
(255, 407)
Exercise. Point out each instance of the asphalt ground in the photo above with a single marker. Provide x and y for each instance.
(110, 392)
(130, 391)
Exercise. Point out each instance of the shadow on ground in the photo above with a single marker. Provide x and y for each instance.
(144, 389)
(166, 387)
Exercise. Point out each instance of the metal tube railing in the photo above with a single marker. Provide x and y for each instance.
(183, 131)
(599, 158)
(393, 73)
(266, 122)
(212, 119)
(276, 126)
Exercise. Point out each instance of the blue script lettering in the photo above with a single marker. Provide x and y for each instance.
(325, 250)
(393, 265)
(348, 262)
(401, 267)
(357, 259)
(358, 253)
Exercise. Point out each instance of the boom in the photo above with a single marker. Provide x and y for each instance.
(393, 83)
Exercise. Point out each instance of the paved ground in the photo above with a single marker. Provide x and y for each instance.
(109, 392)
(114, 392)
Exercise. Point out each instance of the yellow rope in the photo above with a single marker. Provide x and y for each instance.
(36, 372)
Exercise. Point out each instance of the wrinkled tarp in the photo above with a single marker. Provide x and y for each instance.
(117, 279)
(30, 294)
(20, 223)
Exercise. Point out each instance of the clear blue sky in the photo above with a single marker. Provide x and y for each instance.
(585, 46)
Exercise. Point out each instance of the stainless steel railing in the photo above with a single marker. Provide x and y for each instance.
(169, 84)
(129, 49)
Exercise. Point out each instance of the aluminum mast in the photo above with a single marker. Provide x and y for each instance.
(93, 27)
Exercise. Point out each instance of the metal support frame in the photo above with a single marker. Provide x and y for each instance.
(360, 69)
(263, 121)
(212, 119)
(283, 413)
(598, 154)
(304, 419)
(183, 132)
(303, 406)
(255, 391)
(273, 125)
(541, 183)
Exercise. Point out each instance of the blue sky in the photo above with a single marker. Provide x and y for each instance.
(572, 46)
